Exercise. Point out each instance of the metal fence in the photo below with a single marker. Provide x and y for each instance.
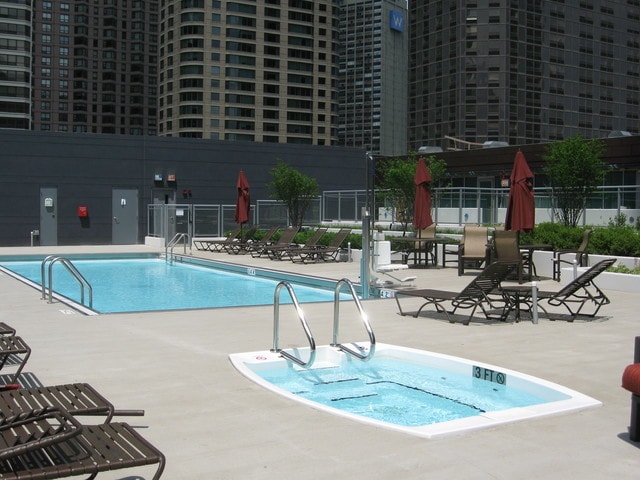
(455, 206)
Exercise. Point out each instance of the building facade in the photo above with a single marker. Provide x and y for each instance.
(523, 72)
(373, 75)
(260, 71)
(15, 64)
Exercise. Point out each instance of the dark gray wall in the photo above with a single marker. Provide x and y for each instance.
(86, 167)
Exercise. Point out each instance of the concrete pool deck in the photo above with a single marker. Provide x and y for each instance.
(212, 423)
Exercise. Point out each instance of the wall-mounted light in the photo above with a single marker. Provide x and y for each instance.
(123, 202)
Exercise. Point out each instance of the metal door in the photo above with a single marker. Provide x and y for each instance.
(124, 208)
(48, 216)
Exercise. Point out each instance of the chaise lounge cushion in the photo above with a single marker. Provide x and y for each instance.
(631, 378)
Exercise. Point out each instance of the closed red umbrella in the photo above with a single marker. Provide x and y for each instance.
(521, 209)
(422, 204)
(243, 202)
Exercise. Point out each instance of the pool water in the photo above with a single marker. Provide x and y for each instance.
(148, 284)
(399, 392)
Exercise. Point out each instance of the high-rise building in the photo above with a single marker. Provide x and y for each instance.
(95, 66)
(261, 71)
(373, 75)
(15, 64)
(523, 72)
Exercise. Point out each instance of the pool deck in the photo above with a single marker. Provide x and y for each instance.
(212, 423)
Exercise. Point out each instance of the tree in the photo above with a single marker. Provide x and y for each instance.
(575, 171)
(293, 188)
(395, 180)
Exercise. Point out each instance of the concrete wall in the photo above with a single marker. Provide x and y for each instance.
(85, 168)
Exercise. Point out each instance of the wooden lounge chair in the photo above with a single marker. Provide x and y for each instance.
(15, 348)
(76, 399)
(580, 292)
(476, 294)
(285, 240)
(242, 241)
(324, 253)
(217, 245)
(579, 255)
(50, 443)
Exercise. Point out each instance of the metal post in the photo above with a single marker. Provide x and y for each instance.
(365, 274)
(534, 302)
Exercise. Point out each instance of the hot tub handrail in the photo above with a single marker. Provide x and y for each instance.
(75, 273)
(303, 321)
(363, 318)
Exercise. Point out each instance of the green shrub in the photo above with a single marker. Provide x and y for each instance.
(624, 269)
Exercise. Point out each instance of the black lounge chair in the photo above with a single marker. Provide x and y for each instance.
(285, 240)
(15, 348)
(581, 291)
(324, 253)
(50, 443)
(476, 294)
(6, 329)
(216, 245)
(76, 399)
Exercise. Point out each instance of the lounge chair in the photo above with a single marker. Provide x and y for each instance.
(6, 329)
(581, 291)
(279, 252)
(324, 253)
(217, 245)
(49, 443)
(241, 243)
(482, 292)
(474, 248)
(76, 399)
(266, 239)
(580, 255)
(285, 240)
(14, 347)
(506, 248)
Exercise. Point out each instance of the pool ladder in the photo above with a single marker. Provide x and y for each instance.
(177, 238)
(51, 260)
(305, 325)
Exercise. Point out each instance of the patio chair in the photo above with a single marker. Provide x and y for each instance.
(505, 247)
(581, 291)
(286, 239)
(15, 350)
(49, 443)
(478, 293)
(216, 245)
(580, 255)
(242, 241)
(474, 249)
(428, 248)
(324, 253)
(75, 398)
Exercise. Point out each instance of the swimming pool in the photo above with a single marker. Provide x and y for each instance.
(149, 283)
(417, 392)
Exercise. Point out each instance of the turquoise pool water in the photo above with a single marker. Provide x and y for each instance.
(400, 392)
(148, 284)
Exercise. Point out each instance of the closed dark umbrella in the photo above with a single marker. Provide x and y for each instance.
(422, 204)
(243, 202)
(521, 210)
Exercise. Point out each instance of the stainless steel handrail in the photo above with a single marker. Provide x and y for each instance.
(303, 321)
(173, 242)
(363, 317)
(75, 273)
